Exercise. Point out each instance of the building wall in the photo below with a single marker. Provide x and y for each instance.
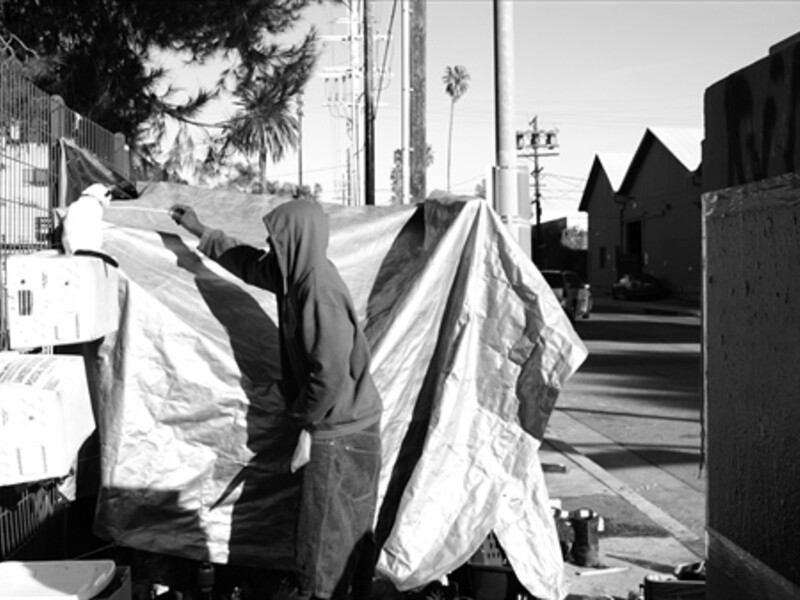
(665, 198)
(752, 121)
(553, 254)
(604, 237)
(751, 350)
(751, 329)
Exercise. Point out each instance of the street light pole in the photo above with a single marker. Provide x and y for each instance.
(505, 149)
(505, 174)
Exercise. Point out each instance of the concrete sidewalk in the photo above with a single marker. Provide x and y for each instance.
(639, 539)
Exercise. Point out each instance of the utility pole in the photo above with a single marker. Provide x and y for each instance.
(369, 118)
(344, 86)
(405, 103)
(417, 64)
(350, 92)
(530, 144)
(413, 143)
(300, 141)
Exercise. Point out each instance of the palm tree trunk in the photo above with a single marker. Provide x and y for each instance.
(262, 168)
(450, 142)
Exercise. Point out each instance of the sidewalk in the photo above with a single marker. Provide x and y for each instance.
(639, 539)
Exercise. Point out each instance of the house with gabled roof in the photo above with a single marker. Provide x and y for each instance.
(650, 222)
(599, 202)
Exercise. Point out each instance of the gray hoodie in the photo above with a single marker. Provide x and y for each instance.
(324, 354)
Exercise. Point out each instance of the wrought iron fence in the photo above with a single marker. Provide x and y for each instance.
(32, 176)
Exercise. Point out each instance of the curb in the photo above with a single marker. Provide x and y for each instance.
(676, 529)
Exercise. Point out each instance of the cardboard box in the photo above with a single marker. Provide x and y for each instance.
(57, 299)
(45, 415)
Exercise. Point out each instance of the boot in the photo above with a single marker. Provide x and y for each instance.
(586, 547)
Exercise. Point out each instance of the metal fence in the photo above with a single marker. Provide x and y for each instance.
(32, 174)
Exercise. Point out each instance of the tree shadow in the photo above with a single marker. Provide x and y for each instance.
(639, 331)
(616, 413)
(611, 458)
(266, 507)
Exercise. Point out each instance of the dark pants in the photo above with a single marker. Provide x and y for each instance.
(335, 542)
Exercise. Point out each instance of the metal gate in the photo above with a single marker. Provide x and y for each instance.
(32, 181)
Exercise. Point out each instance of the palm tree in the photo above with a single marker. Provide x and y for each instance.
(268, 85)
(456, 83)
(266, 124)
(179, 164)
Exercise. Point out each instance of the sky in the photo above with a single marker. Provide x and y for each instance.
(600, 73)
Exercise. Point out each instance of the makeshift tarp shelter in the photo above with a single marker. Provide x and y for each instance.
(470, 350)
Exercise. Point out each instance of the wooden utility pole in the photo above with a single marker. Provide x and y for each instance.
(300, 140)
(369, 118)
(405, 103)
(419, 144)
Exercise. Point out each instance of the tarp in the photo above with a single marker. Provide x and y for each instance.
(470, 349)
(79, 168)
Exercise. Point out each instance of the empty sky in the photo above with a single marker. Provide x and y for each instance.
(599, 72)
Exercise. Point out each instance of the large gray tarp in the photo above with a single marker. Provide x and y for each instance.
(470, 349)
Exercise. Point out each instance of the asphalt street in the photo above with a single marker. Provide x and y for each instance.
(638, 399)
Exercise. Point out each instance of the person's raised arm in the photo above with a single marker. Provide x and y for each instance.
(186, 217)
(244, 261)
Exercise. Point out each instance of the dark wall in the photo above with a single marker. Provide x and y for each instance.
(751, 329)
(604, 237)
(752, 350)
(553, 254)
(752, 122)
(665, 202)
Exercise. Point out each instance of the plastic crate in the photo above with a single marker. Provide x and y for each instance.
(490, 553)
(487, 575)
(31, 517)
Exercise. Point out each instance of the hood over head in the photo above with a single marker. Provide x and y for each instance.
(298, 232)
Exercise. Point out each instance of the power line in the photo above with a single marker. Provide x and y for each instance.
(389, 31)
(470, 180)
(579, 180)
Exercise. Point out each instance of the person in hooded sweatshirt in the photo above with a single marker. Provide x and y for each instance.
(327, 386)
